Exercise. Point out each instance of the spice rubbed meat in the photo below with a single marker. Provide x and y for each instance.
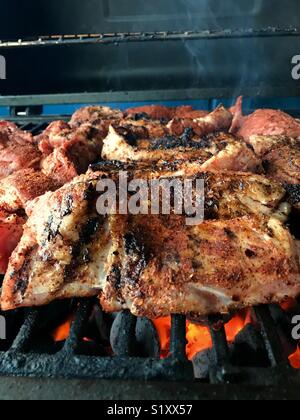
(241, 255)
(68, 250)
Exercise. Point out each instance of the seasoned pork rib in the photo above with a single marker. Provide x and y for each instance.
(163, 113)
(69, 152)
(264, 122)
(218, 120)
(68, 250)
(215, 267)
(17, 150)
(96, 116)
(23, 186)
(281, 157)
(214, 152)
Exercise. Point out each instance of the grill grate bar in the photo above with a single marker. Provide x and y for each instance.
(117, 38)
(23, 339)
(178, 337)
(270, 336)
(37, 129)
(218, 335)
(77, 329)
(27, 127)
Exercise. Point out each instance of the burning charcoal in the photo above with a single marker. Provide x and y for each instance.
(203, 362)
(147, 338)
(122, 335)
(104, 323)
(284, 326)
(248, 349)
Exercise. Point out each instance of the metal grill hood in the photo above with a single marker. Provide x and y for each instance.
(159, 50)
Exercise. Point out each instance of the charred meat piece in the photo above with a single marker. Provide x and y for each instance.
(283, 164)
(96, 116)
(69, 250)
(59, 167)
(143, 129)
(215, 267)
(154, 112)
(23, 186)
(163, 113)
(218, 120)
(263, 145)
(53, 137)
(66, 249)
(281, 157)
(17, 150)
(73, 150)
(214, 152)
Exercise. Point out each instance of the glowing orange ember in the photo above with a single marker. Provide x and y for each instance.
(63, 331)
(198, 337)
(163, 327)
(295, 359)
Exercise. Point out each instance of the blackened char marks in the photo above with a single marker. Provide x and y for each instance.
(293, 193)
(79, 250)
(67, 205)
(114, 277)
(136, 257)
(89, 230)
(52, 227)
(130, 136)
(141, 116)
(23, 273)
(186, 140)
(89, 193)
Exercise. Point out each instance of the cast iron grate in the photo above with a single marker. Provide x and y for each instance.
(29, 352)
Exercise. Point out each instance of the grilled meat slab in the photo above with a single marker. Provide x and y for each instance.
(281, 157)
(69, 152)
(17, 150)
(23, 186)
(263, 122)
(214, 152)
(96, 116)
(68, 250)
(63, 251)
(218, 120)
(163, 113)
(215, 267)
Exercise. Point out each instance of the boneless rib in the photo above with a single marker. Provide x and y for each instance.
(69, 250)
(215, 267)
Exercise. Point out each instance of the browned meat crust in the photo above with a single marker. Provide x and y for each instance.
(68, 250)
(264, 122)
(214, 152)
(17, 150)
(218, 120)
(163, 113)
(96, 116)
(71, 151)
(23, 186)
(215, 267)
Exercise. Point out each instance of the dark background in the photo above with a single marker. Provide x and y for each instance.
(256, 66)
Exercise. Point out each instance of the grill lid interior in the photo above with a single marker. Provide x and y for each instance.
(159, 50)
